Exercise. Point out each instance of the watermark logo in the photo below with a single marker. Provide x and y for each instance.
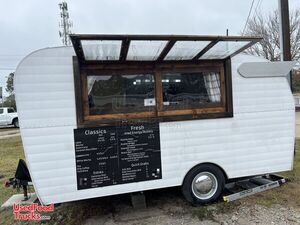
(32, 211)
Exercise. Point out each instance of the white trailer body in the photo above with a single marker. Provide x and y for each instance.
(258, 139)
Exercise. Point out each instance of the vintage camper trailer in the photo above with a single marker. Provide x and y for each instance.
(125, 113)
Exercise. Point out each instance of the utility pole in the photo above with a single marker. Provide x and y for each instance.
(65, 24)
(284, 33)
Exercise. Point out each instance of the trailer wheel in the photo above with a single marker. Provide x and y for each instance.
(203, 184)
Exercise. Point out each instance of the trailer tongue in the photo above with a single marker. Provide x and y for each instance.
(243, 188)
(22, 179)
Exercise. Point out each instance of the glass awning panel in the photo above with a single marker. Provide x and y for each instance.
(224, 49)
(101, 50)
(185, 50)
(94, 48)
(145, 50)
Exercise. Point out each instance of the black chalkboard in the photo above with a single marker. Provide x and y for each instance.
(117, 154)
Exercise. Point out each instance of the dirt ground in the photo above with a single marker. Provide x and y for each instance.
(168, 207)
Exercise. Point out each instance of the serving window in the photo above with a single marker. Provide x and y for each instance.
(164, 92)
(190, 90)
(162, 77)
(115, 94)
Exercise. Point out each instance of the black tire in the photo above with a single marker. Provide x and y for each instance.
(215, 180)
(16, 122)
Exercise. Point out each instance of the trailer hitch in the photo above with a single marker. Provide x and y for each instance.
(16, 183)
(22, 179)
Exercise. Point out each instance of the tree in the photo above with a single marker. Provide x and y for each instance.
(267, 27)
(10, 100)
(10, 83)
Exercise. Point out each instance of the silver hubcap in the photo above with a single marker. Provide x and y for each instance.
(204, 185)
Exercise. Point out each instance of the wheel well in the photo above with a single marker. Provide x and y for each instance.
(207, 163)
(14, 119)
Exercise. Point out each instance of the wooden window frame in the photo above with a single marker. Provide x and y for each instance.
(160, 113)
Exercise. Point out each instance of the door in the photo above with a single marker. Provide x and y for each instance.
(2, 117)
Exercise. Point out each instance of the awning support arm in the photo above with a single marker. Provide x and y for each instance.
(124, 49)
(166, 50)
(203, 51)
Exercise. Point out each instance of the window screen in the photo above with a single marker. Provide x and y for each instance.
(190, 90)
(120, 93)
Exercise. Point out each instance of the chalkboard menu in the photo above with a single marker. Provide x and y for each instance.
(117, 155)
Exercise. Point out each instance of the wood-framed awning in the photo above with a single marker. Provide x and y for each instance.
(104, 48)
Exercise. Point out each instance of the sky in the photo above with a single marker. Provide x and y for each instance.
(33, 24)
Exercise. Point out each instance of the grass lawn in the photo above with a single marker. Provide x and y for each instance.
(11, 151)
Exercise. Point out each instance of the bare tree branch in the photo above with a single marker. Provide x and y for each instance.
(267, 27)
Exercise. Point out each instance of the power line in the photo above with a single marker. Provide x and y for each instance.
(248, 17)
(255, 10)
(257, 6)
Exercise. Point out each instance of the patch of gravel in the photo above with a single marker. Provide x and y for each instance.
(257, 214)
(175, 215)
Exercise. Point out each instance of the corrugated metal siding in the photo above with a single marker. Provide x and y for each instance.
(259, 139)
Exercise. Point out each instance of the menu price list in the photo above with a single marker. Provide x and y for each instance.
(117, 154)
